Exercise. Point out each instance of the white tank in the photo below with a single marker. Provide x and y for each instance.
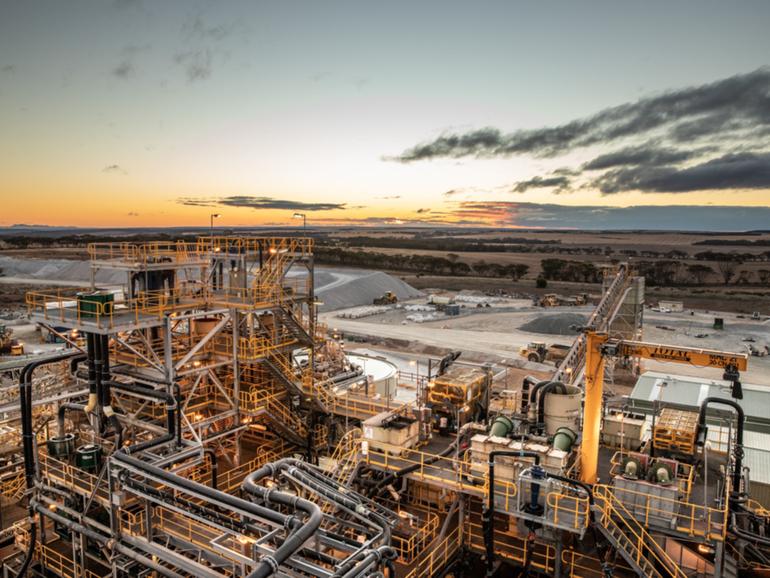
(562, 410)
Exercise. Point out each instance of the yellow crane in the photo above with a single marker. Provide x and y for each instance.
(599, 347)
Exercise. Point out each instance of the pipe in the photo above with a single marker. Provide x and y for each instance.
(93, 398)
(488, 516)
(61, 414)
(30, 462)
(501, 427)
(269, 564)
(564, 438)
(214, 468)
(174, 432)
(738, 449)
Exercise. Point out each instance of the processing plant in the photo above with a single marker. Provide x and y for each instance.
(201, 422)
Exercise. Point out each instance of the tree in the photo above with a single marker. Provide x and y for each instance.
(541, 283)
(700, 272)
(453, 257)
(764, 276)
(517, 270)
(727, 268)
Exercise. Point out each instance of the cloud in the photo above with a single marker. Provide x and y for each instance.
(197, 64)
(727, 108)
(132, 214)
(250, 202)
(389, 198)
(115, 170)
(558, 182)
(710, 137)
(124, 69)
(8, 69)
(422, 211)
(731, 171)
(197, 29)
(601, 217)
(645, 154)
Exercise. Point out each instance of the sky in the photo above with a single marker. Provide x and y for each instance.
(519, 114)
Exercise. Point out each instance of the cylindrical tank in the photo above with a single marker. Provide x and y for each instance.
(562, 409)
(88, 457)
(61, 446)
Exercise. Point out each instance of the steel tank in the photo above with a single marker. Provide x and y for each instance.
(562, 409)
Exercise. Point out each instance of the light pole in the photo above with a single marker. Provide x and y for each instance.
(211, 226)
(302, 216)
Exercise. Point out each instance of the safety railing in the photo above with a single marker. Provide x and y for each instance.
(632, 536)
(12, 485)
(446, 472)
(63, 565)
(541, 556)
(685, 473)
(409, 548)
(437, 557)
(82, 482)
(254, 246)
(142, 254)
(694, 520)
(256, 348)
(579, 565)
(567, 510)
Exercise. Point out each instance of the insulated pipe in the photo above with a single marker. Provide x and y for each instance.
(738, 450)
(93, 398)
(501, 427)
(535, 389)
(269, 564)
(488, 516)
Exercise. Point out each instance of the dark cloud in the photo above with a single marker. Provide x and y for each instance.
(8, 69)
(422, 211)
(732, 171)
(197, 64)
(132, 214)
(124, 69)
(115, 170)
(245, 201)
(720, 109)
(558, 182)
(597, 217)
(645, 154)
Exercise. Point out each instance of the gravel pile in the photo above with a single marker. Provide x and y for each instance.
(555, 324)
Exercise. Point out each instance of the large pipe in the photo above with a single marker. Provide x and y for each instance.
(269, 564)
(738, 449)
(172, 411)
(93, 398)
(488, 516)
(27, 436)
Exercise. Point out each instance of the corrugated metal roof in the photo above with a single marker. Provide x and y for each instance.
(689, 392)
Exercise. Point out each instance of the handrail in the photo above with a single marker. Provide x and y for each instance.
(614, 513)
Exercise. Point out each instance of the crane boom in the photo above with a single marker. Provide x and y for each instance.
(599, 347)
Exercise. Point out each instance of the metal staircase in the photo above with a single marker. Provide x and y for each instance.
(630, 539)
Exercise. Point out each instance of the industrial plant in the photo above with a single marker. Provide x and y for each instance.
(197, 418)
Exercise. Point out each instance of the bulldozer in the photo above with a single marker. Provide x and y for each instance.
(539, 352)
(389, 298)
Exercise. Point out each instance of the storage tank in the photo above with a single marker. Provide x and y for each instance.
(562, 409)
(382, 374)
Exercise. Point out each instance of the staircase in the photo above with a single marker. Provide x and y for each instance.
(294, 326)
(630, 539)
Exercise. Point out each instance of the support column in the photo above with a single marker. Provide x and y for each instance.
(592, 407)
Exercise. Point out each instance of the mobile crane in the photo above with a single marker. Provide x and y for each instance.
(599, 347)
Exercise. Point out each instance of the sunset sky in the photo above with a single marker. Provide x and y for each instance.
(144, 113)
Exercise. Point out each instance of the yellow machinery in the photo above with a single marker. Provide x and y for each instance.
(389, 298)
(455, 396)
(599, 347)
